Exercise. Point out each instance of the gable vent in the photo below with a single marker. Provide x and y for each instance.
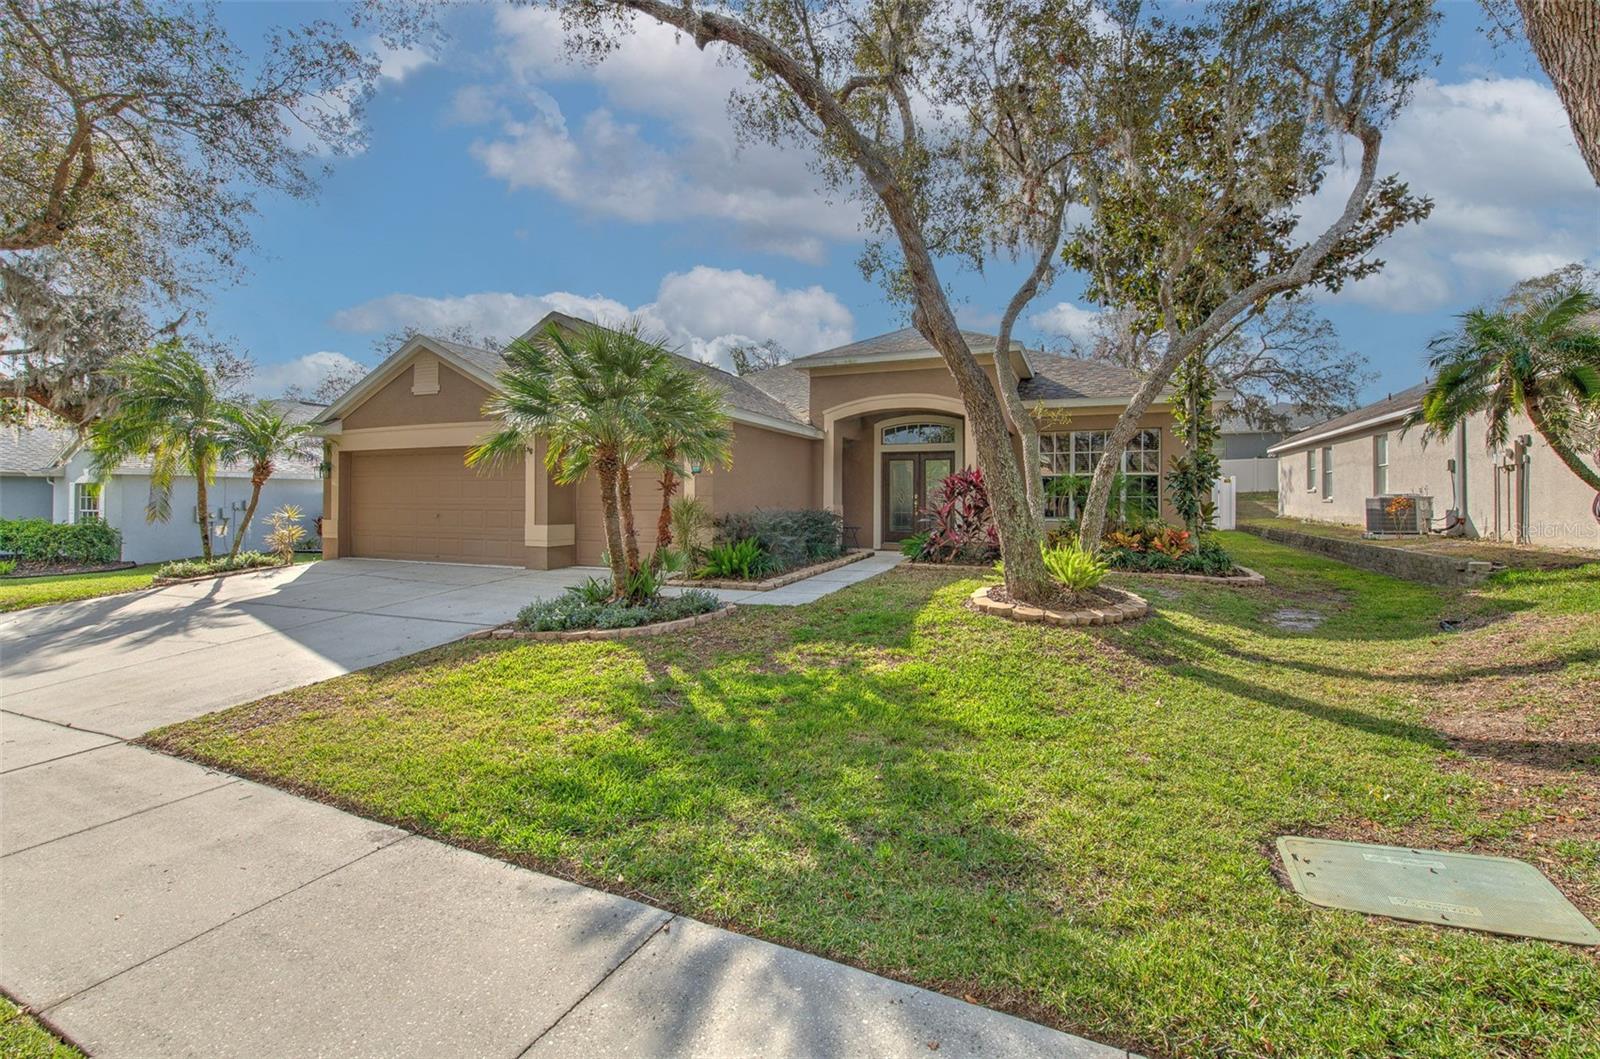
(425, 375)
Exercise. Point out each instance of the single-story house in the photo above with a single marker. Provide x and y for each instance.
(867, 429)
(48, 473)
(1521, 493)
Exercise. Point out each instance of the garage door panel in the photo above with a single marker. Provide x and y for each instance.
(428, 505)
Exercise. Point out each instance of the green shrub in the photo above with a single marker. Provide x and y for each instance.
(741, 560)
(222, 564)
(7, 566)
(791, 539)
(38, 540)
(915, 546)
(1162, 551)
(1076, 569)
(574, 610)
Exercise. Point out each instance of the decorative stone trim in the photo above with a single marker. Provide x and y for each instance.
(660, 628)
(776, 582)
(1131, 608)
(163, 582)
(1247, 579)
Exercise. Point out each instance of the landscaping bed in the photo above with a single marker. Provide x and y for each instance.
(184, 570)
(26, 570)
(1070, 824)
(1098, 606)
(779, 581)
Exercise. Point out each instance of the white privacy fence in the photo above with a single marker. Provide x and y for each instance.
(1257, 475)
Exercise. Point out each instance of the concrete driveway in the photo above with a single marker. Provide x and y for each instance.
(126, 664)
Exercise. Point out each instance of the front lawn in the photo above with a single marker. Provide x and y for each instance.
(22, 593)
(1072, 825)
(21, 1037)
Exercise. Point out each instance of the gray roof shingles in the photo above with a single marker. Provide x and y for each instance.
(28, 450)
(1394, 404)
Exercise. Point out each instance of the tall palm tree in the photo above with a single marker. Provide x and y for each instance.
(262, 434)
(1541, 359)
(584, 391)
(168, 407)
(689, 426)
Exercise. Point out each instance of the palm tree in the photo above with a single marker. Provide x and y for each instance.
(1541, 358)
(585, 392)
(168, 407)
(688, 426)
(262, 434)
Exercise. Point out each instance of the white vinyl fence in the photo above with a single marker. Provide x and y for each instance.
(1257, 475)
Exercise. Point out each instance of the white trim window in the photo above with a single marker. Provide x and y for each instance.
(1327, 472)
(1380, 464)
(86, 505)
(1311, 470)
(1072, 456)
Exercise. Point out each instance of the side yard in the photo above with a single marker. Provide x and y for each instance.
(1074, 826)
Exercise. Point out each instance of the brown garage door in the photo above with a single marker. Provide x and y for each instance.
(427, 504)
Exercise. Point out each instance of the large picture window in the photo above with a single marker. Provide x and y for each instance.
(1067, 462)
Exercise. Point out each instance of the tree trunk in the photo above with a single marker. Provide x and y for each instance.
(249, 512)
(606, 467)
(205, 514)
(1565, 35)
(1559, 446)
(1026, 578)
(630, 537)
(669, 486)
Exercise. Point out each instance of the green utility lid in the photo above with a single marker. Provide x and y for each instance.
(1496, 894)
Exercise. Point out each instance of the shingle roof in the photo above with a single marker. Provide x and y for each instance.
(787, 384)
(25, 450)
(905, 342)
(1058, 378)
(1297, 421)
(1392, 406)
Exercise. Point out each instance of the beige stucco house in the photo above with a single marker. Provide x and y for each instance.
(1521, 493)
(866, 429)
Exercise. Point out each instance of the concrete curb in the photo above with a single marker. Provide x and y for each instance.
(163, 582)
(1132, 608)
(660, 628)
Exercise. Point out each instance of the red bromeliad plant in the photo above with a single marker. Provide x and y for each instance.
(962, 522)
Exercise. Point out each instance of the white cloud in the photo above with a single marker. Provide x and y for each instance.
(689, 165)
(397, 64)
(304, 373)
(1512, 198)
(1066, 320)
(704, 312)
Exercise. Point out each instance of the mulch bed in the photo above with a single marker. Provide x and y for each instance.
(656, 628)
(25, 570)
(1241, 577)
(788, 577)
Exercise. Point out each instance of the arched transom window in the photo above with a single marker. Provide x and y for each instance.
(919, 434)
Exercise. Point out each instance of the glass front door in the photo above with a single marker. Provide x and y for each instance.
(910, 481)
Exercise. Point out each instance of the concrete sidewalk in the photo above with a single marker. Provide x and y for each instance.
(157, 908)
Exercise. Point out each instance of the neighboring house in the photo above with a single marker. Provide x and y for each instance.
(26, 455)
(866, 429)
(1522, 493)
(1245, 445)
(58, 483)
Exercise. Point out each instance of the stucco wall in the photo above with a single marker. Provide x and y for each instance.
(123, 501)
(770, 469)
(1558, 502)
(459, 400)
(23, 496)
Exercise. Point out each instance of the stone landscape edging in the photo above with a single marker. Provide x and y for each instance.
(781, 580)
(659, 628)
(1249, 579)
(1132, 608)
(163, 582)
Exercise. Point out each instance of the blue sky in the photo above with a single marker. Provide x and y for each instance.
(499, 182)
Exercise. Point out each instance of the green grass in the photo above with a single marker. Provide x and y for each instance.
(22, 593)
(21, 1037)
(1072, 826)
